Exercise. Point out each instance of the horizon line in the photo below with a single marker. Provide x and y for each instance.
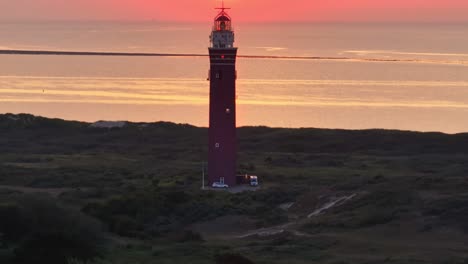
(237, 127)
(151, 54)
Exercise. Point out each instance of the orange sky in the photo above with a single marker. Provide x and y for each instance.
(243, 10)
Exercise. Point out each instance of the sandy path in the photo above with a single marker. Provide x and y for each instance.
(292, 226)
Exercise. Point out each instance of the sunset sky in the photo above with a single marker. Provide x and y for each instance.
(243, 10)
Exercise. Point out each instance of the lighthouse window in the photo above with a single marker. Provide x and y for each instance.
(228, 111)
(219, 75)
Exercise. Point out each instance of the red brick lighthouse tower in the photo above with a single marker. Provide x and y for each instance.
(222, 149)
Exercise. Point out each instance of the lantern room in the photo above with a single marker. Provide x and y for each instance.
(222, 35)
(222, 22)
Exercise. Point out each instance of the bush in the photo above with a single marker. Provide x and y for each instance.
(11, 226)
(188, 236)
(231, 258)
(42, 230)
(125, 226)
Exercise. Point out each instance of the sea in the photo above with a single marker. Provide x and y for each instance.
(406, 76)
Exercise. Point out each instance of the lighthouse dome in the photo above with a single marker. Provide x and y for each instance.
(223, 18)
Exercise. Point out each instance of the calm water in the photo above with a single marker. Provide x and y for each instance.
(428, 94)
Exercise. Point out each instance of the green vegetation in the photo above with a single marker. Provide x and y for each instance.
(36, 227)
(72, 193)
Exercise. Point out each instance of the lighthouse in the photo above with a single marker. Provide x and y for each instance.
(222, 151)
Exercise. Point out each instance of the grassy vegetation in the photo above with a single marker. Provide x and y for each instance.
(132, 195)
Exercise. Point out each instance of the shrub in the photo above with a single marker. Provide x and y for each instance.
(188, 236)
(231, 258)
(43, 230)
